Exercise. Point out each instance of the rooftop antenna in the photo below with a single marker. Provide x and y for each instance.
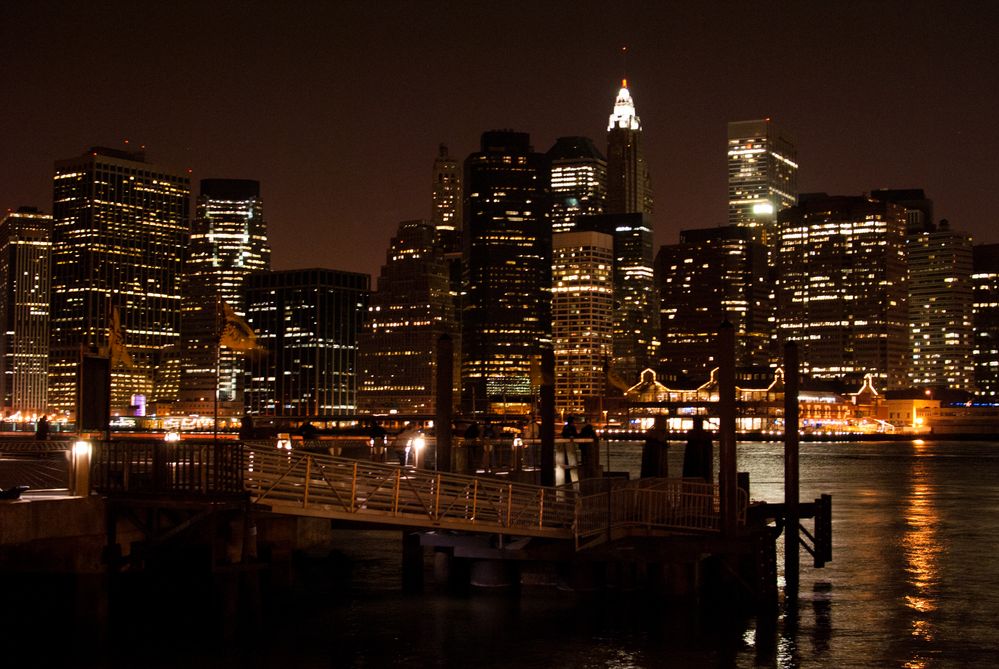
(624, 67)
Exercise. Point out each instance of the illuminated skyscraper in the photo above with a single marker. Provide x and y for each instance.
(582, 316)
(762, 174)
(636, 301)
(228, 242)
(985, 280)
(629, 187)
(446, 211)
(712, 275)
(120, 232)
(25, 255)
(941, 304)
(407, 315)
(506, 316)
(307, 321)
(843, 291)
(579, 181)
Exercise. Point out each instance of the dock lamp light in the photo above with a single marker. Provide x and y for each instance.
(80, 464)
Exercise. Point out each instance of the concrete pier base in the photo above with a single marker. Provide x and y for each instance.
(493, 574)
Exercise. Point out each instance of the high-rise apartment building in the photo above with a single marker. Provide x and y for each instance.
(985, 281)
(582, 317)
(636, 301)
(407, 315)
(447, 201)
(579, 181)
(506, 315)
(120, 232)
(629, 186)
(941, 305)
(307, 323)
(843, 290)
(712, 275)
(228, 241)
(25, 255)
(762, 175)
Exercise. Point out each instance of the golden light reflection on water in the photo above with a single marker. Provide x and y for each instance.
(922, 550)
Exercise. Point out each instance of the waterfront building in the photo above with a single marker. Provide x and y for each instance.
(578, 181)
(629, 186)
(506, 314)
(762, 175)
(582, 317)
(843, 292)
(25, 257)
(713, 275)
(446, 206)
(228, 241)
(307, 322)
(985, 283)
(636, 301)
(941, 304)
(407, 315)
(120, 232)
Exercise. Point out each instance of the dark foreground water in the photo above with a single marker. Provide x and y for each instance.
(914, 582)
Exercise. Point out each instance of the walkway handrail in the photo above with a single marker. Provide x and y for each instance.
(318, 484)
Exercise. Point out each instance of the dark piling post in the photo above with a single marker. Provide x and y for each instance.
(727, 469)
(547, 416)
(791, 481)
(444, 402)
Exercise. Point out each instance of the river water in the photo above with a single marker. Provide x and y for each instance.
(914, 583)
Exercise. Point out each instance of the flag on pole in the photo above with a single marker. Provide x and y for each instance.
(236, 332)
(119, 355)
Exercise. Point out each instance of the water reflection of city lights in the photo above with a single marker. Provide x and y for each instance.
(922, 550)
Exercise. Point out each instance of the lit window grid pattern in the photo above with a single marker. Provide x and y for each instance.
(25, 256)
(120, 232)
(843, 290)
(941, 302)
(446, 206)
(985, 281)
(582, 317)
(578, 187)
(762, 174)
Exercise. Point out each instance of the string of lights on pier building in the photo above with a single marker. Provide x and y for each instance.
(120, 230)
(582, 317)
(25, 256)
(411, 309)
(506, 313)
(307, 323)
(228, 241)
(843, 292)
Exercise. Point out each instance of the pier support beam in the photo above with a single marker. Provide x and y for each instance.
(444, 402)
(791, 481)
(412, 562)
(547, 416)
(728, 489)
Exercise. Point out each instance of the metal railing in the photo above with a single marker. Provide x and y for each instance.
(301, 483)
(182, 468)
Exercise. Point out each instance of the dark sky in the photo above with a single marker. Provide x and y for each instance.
(338, 107)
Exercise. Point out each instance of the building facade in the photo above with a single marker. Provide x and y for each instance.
(25, 275)
(228, 242)
(506, 314)
(578, 181)
(762, 175)
(941, 306)
(985, 284)
(582, 317)
(843, 288)
(447, 201)
(712, 275)
(307, 323)
(629, 186)
(407, 315)
(120, 232)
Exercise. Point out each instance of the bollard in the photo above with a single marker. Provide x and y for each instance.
(80, 479)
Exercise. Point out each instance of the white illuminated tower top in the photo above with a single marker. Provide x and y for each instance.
(624, 115)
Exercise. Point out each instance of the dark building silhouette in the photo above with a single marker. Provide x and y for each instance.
(578, 181)
(228, 242)
(713, 275)
(307, 322)
(918, 207)
(407, 315)
(447, 201)
(985, 280)
(120, 232)
(506, 315)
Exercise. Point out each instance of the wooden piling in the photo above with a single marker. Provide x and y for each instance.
(791, 480)
(727, 469)
(444, 402)
(547, 416)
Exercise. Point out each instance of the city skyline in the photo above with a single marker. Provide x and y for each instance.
(339, 118)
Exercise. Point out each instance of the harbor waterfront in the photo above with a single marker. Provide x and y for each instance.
(909, 586)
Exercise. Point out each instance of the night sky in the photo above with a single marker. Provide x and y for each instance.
(338, 107)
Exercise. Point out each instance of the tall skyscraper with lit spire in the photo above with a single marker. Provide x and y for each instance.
(629, 188)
